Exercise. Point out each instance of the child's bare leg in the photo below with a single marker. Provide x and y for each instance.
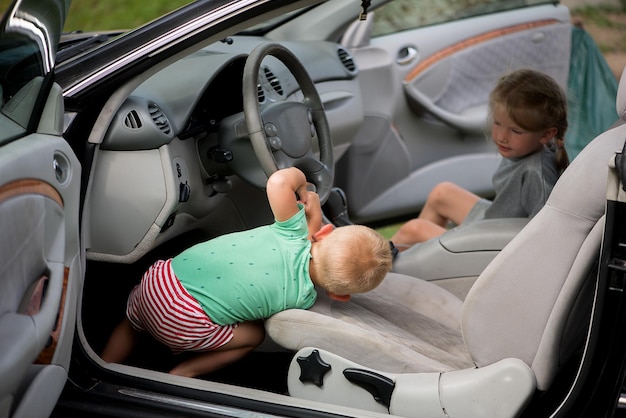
(448, 202)
(246, 337)
(415, 231)
(120, 344)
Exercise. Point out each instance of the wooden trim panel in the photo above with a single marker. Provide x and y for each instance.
(25, 186)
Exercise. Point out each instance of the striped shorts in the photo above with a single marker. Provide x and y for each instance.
(161, 306)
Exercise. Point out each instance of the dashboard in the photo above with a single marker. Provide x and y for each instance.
(165, 165)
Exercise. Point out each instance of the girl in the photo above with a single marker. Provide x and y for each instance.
(528, 110)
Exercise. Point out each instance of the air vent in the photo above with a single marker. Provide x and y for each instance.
(132, 120)
(346, 59)
(260, 94)
(159, 119)
(273, 80)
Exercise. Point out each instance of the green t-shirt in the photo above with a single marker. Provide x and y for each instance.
(251, 274)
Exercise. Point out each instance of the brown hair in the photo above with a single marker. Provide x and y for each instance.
(535, 102)
(352, 259)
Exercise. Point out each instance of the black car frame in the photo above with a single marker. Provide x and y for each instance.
(120, 148)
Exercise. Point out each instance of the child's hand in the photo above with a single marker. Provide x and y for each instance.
(302, 192)
(311, 202)
(312, 211)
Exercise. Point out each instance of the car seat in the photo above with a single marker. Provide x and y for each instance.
(411, 348)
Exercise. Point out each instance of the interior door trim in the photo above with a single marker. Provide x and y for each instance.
(34, 186)
(484, 37)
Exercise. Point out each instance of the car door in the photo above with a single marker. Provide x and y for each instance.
(40, 254)
(426, 69)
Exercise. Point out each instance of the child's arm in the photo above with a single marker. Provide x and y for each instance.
(282, 187)
(313, 211)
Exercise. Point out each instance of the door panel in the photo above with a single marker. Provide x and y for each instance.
(431, 84)
(454, 84)
(40, 266)
(40, 254)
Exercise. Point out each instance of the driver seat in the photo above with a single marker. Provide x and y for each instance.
(411, 348)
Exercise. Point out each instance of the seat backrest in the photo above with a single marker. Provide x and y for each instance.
(529, 301)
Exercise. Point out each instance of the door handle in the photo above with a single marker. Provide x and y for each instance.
(406, 55)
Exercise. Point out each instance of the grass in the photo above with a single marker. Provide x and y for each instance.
(606, 25)
(388, 230)
(90, 15)
(87, 15)
(599, 15)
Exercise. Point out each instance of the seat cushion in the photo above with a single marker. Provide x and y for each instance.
(405, 325)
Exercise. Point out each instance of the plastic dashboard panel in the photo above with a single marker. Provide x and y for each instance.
(178, 89)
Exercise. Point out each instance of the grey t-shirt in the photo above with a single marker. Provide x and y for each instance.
(522, 186)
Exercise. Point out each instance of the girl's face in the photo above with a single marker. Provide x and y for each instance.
(512, 140)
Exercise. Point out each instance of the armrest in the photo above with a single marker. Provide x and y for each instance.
(486, 235)
(463, 251)
(472, 121)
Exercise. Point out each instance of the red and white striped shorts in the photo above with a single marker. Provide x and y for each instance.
(163, 307)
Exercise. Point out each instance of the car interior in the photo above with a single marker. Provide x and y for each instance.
(439, 343)
(486, 317)
(410, 344)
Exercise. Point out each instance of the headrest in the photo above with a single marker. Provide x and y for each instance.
(621, 97)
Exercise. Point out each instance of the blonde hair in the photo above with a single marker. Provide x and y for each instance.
(352, 259)
(535, 102)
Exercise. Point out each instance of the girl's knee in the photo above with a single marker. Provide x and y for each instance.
(442, 194)
(443, 189)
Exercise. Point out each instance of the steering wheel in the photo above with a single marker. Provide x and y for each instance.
(281, 132)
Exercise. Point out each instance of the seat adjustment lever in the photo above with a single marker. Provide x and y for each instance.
(381, 387)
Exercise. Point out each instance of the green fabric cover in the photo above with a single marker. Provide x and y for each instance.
(592, 89)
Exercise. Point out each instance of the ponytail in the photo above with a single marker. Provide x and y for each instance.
(562, 159)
